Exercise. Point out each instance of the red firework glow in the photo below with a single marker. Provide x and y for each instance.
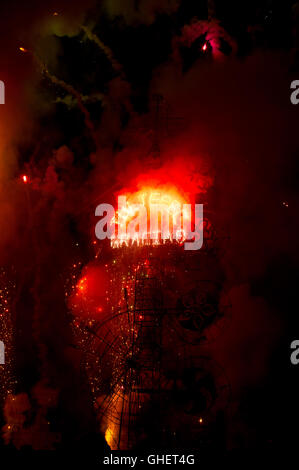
(89, 293)
(147, 197)
(176, 183)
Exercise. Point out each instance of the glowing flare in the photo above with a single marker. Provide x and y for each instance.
(82, 285)
(25, 179)
(22, 49)
(109, 437)
(147, 196)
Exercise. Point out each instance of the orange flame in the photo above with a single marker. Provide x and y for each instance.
(169, 197)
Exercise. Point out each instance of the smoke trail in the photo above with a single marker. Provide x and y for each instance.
(70, 89)
(107, 51)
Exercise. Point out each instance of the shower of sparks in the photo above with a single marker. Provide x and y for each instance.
(7, 289)
(112, 337)
(120, 332)
(111, 310)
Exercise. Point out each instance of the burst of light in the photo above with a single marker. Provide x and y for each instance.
(171, 200)
(25, 179)
(55, 13)
(200, 420)
(108, 436)
(22, 49)
(204, 47)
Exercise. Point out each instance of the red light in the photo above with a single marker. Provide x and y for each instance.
(25, 178)
(204, 47)
(82, 285)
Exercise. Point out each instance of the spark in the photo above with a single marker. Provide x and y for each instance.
(22, 49)
(82, 284)
(7, 291)
(25, 179)
(204, 47)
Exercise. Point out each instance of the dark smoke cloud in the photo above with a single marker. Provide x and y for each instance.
(142, 11)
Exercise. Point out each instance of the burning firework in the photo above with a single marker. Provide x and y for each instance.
(129, 312)
(151, 217)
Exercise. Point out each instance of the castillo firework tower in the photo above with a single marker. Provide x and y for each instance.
(142, 310)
